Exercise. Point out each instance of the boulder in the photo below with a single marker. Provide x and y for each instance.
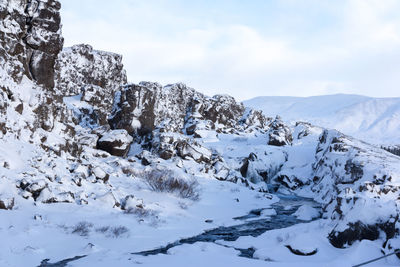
(48, 197)
(100, 174)
(191, 149)
(130, 204)
(35, 188)
(116, 142)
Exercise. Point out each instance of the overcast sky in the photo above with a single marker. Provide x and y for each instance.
(248, 48)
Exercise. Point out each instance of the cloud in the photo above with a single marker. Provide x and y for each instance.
(353, 47)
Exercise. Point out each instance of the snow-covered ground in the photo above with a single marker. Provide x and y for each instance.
(375, 120)
(105, 235)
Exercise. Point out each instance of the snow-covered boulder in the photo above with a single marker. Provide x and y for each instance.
(116, 142)
(47, 196)
(34, 188)
(100, 174)
(130, 204)
(191, 149)
(306, 213)
(279, 133)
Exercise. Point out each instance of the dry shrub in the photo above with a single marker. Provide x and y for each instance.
(115, 232)
(82, 228)
(166, 181)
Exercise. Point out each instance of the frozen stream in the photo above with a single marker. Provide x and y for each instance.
(252, 224)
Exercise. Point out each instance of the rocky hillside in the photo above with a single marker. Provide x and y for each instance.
(72, 130)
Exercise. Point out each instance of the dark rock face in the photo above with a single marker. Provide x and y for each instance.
(115, 142)
(279, 134)
(32, 43)
(355, 170)
(43, 39)
(246, 162)
(13, 49)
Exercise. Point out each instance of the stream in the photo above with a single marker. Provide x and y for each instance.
(253, 224)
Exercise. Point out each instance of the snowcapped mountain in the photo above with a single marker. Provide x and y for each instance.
(375, 120)
(95, 171)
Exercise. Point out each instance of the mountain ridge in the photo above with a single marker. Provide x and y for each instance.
(375, 120)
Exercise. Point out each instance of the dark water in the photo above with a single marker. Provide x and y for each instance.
(253, 225)
(63, 263)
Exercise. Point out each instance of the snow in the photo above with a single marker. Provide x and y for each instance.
(306, 213)
(136, 124)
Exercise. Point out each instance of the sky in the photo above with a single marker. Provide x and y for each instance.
(248, 48)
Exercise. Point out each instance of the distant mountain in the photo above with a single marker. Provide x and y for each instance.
(375, 120)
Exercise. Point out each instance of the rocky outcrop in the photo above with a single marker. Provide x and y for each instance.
(93, 75)
(377, 217)
(80, 65)
(147, 106)
(353, 178)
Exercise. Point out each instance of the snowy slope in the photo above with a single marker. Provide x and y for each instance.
(375, 120)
